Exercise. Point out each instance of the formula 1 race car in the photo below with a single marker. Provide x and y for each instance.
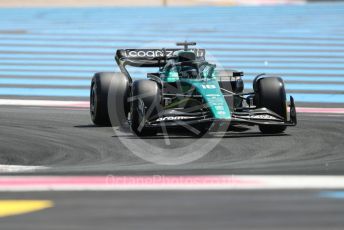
(186, 91)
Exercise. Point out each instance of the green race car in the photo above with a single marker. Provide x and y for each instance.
(186, 92)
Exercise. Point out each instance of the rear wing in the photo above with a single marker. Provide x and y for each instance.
(149, 57)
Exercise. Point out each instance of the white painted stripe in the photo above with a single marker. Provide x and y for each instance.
(45, 103)
(139, 183)
(20, 168)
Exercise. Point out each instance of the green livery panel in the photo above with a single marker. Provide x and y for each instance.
(211, 93)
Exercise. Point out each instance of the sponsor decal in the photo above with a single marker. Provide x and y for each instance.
(260, 117)
(174, 118)
(153, 53)
(208, 86)
(264, 117)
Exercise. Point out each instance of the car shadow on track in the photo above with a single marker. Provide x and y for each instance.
(173, 134)
(226, 135)
(91, 126)
(86, 126)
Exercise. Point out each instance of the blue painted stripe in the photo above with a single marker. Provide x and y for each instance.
(267, 70)
(75, 63)
(290, 9)
(322, 98)
(312, 87)
(25, 81)
(148, 37)
(111, 50)
(91, 52)
(271, 64)
(216, 34)
(108, 27)
(303, 78)
(202, 21)
(108, 46)
(18, 68)
(234, 14)
(62, 74)
(309, 87)
(116, 44)
(66, 82)
(13, 70)
(336, 194)
(196, 29)
(62, 56)
(110, 58)
(47, 74)
(226, 63)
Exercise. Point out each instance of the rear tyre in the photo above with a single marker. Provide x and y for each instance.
(146, 97)
(270, 93)
(101, 85)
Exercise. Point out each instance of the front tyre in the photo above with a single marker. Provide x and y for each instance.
(102, 85)
(270, 93)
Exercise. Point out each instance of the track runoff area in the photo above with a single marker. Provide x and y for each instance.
(48, 56)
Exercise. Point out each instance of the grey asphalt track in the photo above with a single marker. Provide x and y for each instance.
(199, 210)
(65, 141)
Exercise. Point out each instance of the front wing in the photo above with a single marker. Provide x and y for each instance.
(259, 116)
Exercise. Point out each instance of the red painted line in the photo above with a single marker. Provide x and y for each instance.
(320, 110)
(298, 109)
(74, 181)
(85, 105)
(138, 183)
(72, 108)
